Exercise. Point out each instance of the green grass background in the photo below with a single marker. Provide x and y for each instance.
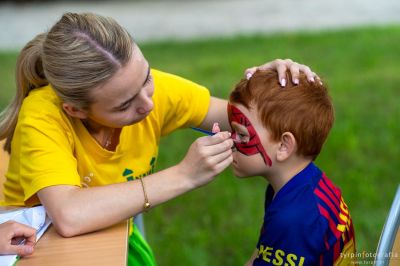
(219, 224)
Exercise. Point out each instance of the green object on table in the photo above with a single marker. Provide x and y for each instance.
(140, 253)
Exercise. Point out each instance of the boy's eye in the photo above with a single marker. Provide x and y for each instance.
(243, 138)
(239, 138)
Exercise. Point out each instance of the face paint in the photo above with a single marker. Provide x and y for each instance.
(253, 146)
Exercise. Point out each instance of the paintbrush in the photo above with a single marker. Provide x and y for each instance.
(203, 131)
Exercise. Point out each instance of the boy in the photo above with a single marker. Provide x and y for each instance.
(278, 133)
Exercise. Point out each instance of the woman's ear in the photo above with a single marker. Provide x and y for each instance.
(73, 111)
(287, 146)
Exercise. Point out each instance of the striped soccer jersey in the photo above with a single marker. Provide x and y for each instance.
(306, 223)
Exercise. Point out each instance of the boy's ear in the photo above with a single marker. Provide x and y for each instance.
(74, 111)
(287, 146)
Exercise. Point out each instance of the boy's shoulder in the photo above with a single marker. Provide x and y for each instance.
(309, 201)
(307, 220)
(310, 196)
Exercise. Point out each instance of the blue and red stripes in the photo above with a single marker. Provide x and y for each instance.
(333, 208)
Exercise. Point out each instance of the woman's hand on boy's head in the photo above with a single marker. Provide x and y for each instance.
(281, 66)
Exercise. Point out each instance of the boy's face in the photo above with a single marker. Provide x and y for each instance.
(253, 148)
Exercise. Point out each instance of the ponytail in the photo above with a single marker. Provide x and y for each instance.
(29, 75)
(79, 53)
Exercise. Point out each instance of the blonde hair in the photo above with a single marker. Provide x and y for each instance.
(79, 53)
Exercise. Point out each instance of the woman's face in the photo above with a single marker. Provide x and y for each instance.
(126, 98)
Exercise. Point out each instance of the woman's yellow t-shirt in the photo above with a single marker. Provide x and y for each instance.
(51, 148)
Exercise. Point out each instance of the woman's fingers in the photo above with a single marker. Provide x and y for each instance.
(207, 157)
(215, 128)
(295, 72)
(218, 162)
(221, 166)
(16, 238)
(219, 137)
(216, 144)
(26, 232)
(249, 72)
(21, 250)
(282, 66)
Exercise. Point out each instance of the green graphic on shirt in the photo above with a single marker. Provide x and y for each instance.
(129, 174)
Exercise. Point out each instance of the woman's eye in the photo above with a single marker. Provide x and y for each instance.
(124, 108)
(149, 79)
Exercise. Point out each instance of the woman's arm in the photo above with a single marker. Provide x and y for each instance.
(217, 112)
(75, 211)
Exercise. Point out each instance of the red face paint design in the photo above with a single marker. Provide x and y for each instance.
(253, 146)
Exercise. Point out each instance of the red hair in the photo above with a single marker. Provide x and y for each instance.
(305, 110)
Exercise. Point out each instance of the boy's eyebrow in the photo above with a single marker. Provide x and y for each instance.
(131, 99)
